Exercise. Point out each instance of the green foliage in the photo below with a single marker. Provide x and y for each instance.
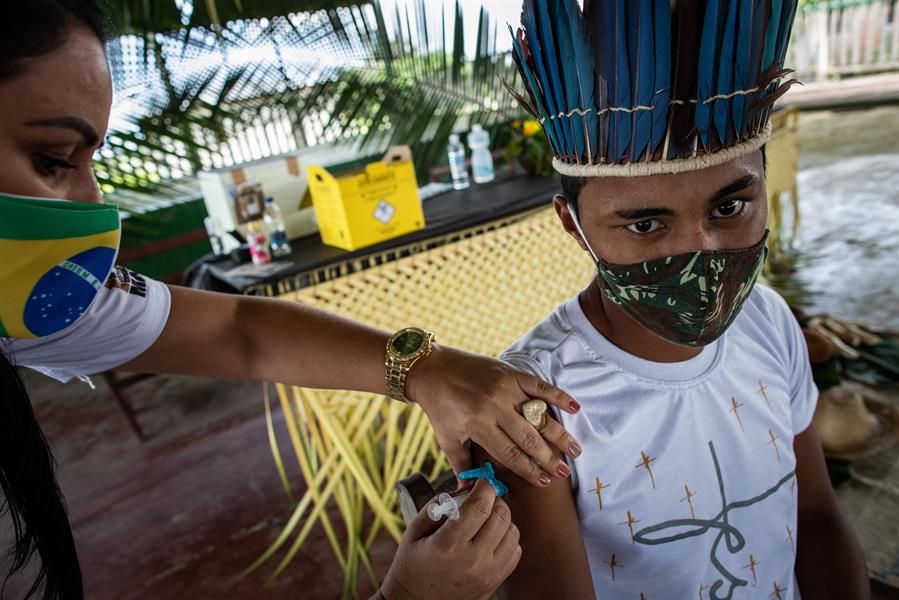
(405, 86)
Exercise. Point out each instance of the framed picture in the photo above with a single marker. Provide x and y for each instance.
(249, 203)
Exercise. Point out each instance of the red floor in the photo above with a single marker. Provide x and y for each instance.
(179, 516)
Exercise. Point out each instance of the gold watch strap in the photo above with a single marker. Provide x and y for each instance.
(396, 379)
(396, 371)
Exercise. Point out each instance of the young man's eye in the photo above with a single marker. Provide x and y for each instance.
(50, 165)
(730, 208)
(647, 226)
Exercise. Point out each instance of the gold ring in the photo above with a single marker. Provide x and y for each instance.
(535, 413)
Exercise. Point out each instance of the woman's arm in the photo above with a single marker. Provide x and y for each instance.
(829, 560)
(466, 397)
(553, 559)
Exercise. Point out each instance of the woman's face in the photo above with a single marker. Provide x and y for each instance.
(54, 117)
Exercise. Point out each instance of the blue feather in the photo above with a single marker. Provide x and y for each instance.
(771, 34)
(741, 66)
(597, 14)
(725, 82)
(643, 60)
(533, 90)
(662, 25)
(707, 52)
(621, 89)
(533, 37)
(569, 68)
(585, 66)
(786, 27)
(548, 44)
(757, 49)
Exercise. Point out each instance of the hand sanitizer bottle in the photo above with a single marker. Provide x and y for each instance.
(481, 160)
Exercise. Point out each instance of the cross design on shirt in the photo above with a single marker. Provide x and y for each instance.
(726, 535)
(600, 486)
(777, 591)
(790, 535)
(702, 587)
(630, 524)
(612, 564)
(792, 486)
(645, 463)
(761, 390)
(689, 499)
(753, 563)
(773, 437)
(734, 408)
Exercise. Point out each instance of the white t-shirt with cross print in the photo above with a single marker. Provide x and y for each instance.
(685, 488)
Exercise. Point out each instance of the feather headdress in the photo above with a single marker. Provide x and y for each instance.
(640, 87)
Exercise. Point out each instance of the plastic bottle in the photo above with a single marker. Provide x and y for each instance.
(277, 234)
(481, 160)
(459, 172)
(215, 240)
(258, 243)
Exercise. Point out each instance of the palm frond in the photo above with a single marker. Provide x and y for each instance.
(210, 97)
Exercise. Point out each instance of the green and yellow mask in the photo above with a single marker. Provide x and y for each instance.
(54, 258)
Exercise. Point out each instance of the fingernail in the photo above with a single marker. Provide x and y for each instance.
(574, 406)
(563, 470)
(574, 449)
(544, 479)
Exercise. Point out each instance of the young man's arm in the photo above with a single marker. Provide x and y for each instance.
(829, 560)
(553, 559)
(466, 397)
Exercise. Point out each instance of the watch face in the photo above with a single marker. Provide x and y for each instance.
(407, 343)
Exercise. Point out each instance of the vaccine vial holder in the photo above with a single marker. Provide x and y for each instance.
(415, 492)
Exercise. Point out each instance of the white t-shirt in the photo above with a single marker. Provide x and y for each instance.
(667, 446)
(125, 318)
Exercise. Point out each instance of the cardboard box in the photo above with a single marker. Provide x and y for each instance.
(366, 208)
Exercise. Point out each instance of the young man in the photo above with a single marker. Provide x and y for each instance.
(701, 474)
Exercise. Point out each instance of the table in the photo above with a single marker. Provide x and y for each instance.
(449, 217)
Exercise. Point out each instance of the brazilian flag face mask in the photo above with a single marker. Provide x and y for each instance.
(54, 258)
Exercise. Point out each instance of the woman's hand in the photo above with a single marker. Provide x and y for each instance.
(456, 560)
(470, 398)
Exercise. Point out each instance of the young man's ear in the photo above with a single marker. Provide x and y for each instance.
(560, 203)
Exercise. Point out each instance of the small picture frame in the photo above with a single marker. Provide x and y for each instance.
(249, 203)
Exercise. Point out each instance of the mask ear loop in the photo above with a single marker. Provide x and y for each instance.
(580, 231)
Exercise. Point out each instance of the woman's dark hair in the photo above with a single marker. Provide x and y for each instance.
(33, 28)
(31, 496)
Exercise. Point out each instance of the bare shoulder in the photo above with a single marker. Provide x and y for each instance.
(553, 561)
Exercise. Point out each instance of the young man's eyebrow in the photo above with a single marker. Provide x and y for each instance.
(647, 213)
(735, 186)
(643, 213)
(76, 124)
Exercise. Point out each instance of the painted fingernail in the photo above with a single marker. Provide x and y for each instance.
(574, 449)
(563, 471)
(574, 406)
(544, 479)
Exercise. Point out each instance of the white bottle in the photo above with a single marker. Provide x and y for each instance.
(277, 235)
(458, 170)
(481, 159)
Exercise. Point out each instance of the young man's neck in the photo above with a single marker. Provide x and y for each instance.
(626, 333)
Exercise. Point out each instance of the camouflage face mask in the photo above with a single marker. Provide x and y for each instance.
(689, 299)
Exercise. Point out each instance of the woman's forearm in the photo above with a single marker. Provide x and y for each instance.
(296, 344)
(241, 337)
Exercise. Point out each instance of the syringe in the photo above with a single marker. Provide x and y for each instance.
(446, 505)
(449, 505)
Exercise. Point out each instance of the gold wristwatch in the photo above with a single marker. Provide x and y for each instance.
(404, 349)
